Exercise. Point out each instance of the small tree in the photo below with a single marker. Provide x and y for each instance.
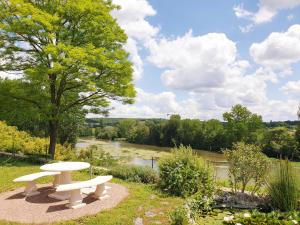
(184, 173)
(246, 162)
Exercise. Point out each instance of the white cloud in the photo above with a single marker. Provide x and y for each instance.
(279, 50)
(203, 106)
(151, 105)
(267, 10)
(277, 110)
(197, 62)
(292, 88)
(132, 17)
(246, 29)
(208, 68)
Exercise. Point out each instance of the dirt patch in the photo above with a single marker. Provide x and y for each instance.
(42, 209)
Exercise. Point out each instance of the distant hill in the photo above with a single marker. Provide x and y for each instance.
(96, 122)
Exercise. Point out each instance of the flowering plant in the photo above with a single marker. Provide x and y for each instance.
(258, 218)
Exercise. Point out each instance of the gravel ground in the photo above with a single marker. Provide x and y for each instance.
(42, 209)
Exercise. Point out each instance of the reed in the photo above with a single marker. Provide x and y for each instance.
(283, 189)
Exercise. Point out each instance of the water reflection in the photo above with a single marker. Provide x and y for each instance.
(142, 154)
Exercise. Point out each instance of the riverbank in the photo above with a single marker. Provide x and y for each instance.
(142, 155)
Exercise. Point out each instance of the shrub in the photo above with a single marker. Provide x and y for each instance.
(184, 173)
(15, 141)
(64, 153)
(179, 216)
(258, 218)
(200, 204)
(96, 156)
(246, 162)
(283, 188)
(135, 173)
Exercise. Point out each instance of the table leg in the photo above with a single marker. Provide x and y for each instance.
(64, 178)
(56, 181)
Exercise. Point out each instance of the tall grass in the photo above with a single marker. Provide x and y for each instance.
(283, 188)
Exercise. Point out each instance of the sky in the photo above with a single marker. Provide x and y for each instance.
(199, 58)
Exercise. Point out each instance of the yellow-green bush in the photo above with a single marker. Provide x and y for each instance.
(64, 153)
(13, 140)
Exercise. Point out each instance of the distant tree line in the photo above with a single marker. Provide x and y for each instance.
(213, 135)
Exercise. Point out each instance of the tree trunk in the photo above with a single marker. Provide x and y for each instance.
(53, 130)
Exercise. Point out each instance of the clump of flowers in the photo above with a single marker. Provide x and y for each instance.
(259, 218)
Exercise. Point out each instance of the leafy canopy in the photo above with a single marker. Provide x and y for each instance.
(241, 123)
(69, 52)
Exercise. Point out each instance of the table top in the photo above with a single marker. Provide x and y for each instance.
(65, 166)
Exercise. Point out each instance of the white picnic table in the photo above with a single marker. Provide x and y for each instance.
(65, 176)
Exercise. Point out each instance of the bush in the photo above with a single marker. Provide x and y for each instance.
(184, 173)
(179, 216)
(64, 153)
(96, 156)
(15, 141)
(135, 173)
(246, 162)
(200, 204)
(258, 218)
(283, 189)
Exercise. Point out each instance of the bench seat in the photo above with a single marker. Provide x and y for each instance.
(75, 200)
(31, 188)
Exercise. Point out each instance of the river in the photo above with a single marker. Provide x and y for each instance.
(143, 154)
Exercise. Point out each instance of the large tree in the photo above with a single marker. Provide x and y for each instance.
(242, 123)
(69, 54)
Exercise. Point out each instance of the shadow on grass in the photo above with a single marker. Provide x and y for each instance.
(10, 161)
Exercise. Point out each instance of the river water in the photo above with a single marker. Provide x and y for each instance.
(145, 155)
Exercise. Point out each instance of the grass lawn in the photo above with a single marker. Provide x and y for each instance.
(142, 198)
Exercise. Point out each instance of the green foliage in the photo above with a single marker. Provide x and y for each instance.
(241, 123)
(12, 140)
(125, 128)
(246, 163)
(211, 135)
(96, 156)
(64, 153)
(107, 132)
(281, 142)
(135, 173)
(179, 216)
(200, 204)
(258, 218)
(184, 173)
(71, 56)
(283, 189)
(170, 131)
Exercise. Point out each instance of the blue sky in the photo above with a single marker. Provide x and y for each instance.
(199, 58)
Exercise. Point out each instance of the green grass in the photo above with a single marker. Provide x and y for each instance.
(142, 198)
